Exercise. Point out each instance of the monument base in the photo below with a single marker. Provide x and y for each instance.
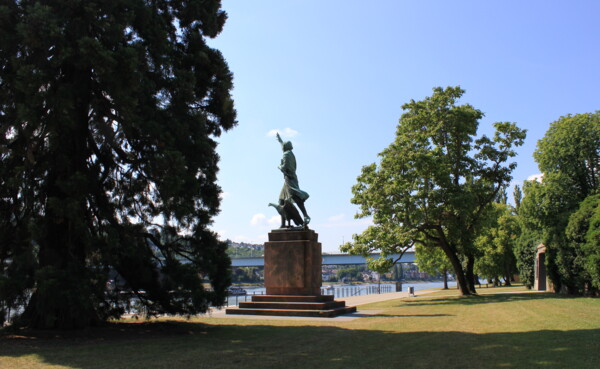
(293, 279)
(293, 263)
(289, 305)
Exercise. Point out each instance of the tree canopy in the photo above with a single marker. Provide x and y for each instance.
(384, 239)
(108, 113)
(436, 180)
(569, 157)
(583, 236)
(570, 150)
(496, 241)
(433, 261)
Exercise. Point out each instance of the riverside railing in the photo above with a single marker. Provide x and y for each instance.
(233, 300)
(348, 291)
(336, 291)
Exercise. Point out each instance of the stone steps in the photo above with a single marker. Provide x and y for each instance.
(293, 298)
(293, 305)
(291, 312)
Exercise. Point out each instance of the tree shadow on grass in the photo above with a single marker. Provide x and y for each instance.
(111, 332)
(477, 299)
(196, 345)
(409, 315)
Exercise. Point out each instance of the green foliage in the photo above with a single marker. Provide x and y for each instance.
(533, 215)
(247, 274)
(543, 215)
(583, 237)
(518, 197)
(525, 250)
(591, 249)
(496, 240)
(381, 238)
(527, 241)
(431, 260)
(350, 274)
(108, 114)
(435, 180)
(571, 149)
(569, 157)
(244, 250)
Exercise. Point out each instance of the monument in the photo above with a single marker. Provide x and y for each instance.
(292, 258)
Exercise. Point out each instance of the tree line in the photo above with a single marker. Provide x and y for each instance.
(561, 209)
(442, 190)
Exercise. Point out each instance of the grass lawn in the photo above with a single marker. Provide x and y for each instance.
(500, 328)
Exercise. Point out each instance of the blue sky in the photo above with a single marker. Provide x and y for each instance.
(332, 75)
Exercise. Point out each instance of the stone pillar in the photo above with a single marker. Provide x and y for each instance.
(541, 277)
(293, 263)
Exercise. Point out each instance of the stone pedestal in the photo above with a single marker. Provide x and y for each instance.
(541, 281)
(293, 263)
(293, 279)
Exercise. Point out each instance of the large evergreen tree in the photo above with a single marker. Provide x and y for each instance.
(108, 113)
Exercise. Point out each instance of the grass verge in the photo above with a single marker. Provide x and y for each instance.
(496, 329)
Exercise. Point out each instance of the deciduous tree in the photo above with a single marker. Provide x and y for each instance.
(525, 248)
(435, 180)
(433, 261)
(383, 239)
(583, 237)
(495, 240)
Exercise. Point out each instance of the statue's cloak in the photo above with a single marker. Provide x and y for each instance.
(291, 189)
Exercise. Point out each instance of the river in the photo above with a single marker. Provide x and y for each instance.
(340, 291)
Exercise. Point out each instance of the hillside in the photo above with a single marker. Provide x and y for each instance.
(235, 249)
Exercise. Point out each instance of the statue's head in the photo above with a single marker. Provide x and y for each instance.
(287, 146)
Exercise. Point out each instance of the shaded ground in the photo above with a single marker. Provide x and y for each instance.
(112, 332)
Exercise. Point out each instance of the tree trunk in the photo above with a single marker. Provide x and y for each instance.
(508, 277)
(63, 297)
(470, 274)
(445, 277)
(496, 281)
(507, 281)
(458, 269)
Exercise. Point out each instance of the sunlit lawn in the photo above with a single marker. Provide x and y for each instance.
(499, 328)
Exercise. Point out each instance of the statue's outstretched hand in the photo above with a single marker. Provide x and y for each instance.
(279, 138)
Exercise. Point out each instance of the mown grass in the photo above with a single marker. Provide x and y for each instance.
(502, 327)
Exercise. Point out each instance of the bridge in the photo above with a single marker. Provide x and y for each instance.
(328, 259)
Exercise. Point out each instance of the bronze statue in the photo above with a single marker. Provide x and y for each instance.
(290, 193)
(288, 214)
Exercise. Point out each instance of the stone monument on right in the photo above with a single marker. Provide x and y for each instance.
(292, 258)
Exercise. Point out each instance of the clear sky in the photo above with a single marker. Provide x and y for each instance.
(332, 75)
